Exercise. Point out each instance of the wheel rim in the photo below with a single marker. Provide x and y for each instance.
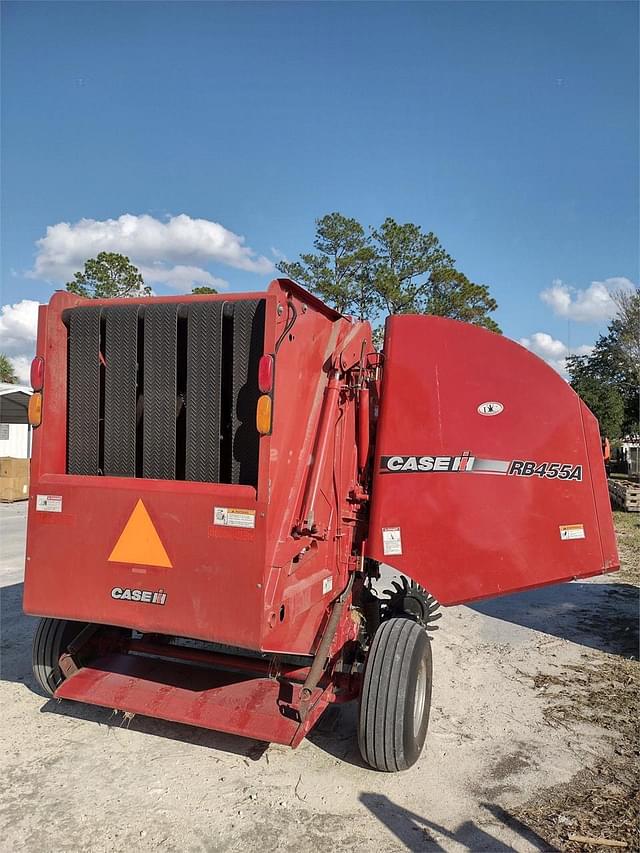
(420, 697)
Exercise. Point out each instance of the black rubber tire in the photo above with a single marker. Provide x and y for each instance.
(388, 736)
(51, 639)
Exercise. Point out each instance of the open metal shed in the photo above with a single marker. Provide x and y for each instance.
(14, 403)
(15, 432)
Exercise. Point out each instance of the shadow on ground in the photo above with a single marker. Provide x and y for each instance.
(600, 616)
(336, 733)
(16, 633)
(417, 833)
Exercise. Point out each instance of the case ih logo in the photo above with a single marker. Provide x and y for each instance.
(397, 464)
(145, 596)
(468, 464)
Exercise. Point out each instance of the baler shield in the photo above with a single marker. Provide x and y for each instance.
(488, 476)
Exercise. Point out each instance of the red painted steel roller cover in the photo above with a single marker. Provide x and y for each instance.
(488, 473)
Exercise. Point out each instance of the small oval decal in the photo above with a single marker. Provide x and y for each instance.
(490, 408)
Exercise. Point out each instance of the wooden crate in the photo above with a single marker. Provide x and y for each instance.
(625, 494)
(13, 489)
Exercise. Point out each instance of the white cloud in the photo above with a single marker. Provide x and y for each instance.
(553, 351)
(181, 278)
(18, 326)
(278, 255)
(178, 245)
(588, 305)
(22, 368)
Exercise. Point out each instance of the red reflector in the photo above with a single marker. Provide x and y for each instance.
(265, 374)
(37, 373)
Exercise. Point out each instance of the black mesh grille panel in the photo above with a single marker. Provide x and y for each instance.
(83, 433)
(121, 383)
(204, 387)
(248, 335)
(159, 418)
(165, 391)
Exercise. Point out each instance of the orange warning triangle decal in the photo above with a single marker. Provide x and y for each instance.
(139, 542)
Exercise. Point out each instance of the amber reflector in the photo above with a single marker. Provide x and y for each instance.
(35, 409)
(263, 415)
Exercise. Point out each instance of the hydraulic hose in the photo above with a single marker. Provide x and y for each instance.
(317, 667)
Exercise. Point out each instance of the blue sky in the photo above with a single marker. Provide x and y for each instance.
(509, 129)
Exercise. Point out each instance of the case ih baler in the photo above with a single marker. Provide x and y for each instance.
(216, 479)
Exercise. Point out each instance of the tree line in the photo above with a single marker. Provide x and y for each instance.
(391, 269)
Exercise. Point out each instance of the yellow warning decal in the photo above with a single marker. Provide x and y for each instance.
(139, 542)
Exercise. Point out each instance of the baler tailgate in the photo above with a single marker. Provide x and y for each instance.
(241, 704)
(488, 472)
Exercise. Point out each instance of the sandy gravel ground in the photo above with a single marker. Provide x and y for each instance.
(76, 778)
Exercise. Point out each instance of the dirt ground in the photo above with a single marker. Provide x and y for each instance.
(603, 800)
(531, 740)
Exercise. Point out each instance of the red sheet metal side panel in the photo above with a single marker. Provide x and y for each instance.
(495, 521)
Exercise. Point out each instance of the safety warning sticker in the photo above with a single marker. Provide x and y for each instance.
(571, 531)
(49, 503)
(391, 540)
(230, 517)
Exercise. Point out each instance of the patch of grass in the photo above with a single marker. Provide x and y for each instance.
(627, 526)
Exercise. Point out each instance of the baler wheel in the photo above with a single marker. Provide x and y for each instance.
(396, 696)
(51, 639)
